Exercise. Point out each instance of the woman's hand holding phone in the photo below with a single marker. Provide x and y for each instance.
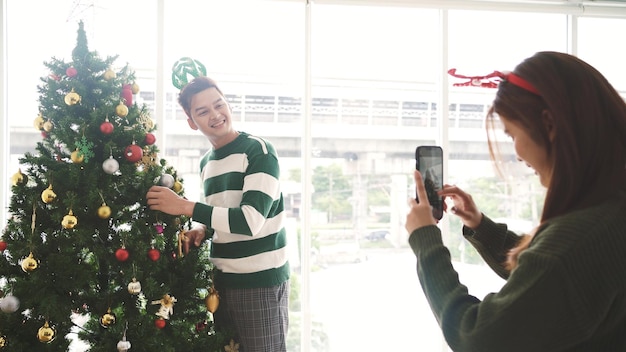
(420, 214)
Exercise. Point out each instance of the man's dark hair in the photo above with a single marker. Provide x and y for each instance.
(194, 87)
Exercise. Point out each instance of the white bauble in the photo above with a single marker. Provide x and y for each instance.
(110, 166)
(9, 304)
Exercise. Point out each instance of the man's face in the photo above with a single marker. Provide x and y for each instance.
(210, 114)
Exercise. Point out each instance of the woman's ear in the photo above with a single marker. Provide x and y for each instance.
(548, 123)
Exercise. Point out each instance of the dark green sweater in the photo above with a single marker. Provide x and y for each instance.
(243, 206)
(568, 292)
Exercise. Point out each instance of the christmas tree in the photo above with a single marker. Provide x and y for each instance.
(81, 241)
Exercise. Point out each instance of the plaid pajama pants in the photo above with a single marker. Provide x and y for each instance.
(260, 316)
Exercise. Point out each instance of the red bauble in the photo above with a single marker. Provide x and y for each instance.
(150, 139)
(154, 254)
(160, 323)
(127, 94)
(106, 127)
(121, 254)
(133, 153)
(201, 326)
(3, 246)
(71, 72)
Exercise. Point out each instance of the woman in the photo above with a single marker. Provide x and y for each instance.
(566, 280)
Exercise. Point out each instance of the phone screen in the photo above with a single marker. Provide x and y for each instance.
(429, 162)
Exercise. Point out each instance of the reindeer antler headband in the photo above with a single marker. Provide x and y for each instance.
(492, 80)
(184, 68)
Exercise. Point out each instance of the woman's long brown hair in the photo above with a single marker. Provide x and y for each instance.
(588, 116)
(589, 120)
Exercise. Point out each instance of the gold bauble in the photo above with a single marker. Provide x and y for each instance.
(19, 178)
(109, 74)
(72, 98)
(38, 123)
(104, 211)
(48, 126)
(69, 221)
(146, 121)
(178, 186)
(107, 319)
(29, 263)
(77, 157)
(48, 195)
(212, 301)
(3, 342)
(134, 287)
(121, 110)
(134, 88)
(46, 333)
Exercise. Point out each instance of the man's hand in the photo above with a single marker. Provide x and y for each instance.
(194, 236)
(165, 200)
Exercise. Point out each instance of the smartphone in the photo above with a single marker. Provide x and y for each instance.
(429, 162)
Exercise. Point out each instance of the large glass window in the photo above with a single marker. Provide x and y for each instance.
(27, 50)
(375, 95)
(595, 51)
(373, 103)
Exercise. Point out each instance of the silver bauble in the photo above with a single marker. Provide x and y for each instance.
(9, 304)
(134, 287)
(167, 180)
(123, 346)
(110, 166)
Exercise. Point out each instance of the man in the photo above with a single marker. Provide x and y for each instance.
(243, 207)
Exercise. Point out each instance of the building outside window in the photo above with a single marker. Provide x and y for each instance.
(375, 84)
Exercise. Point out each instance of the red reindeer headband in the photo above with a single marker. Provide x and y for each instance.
(492, 80)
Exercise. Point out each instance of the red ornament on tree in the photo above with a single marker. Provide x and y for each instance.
(150, 139)
(154, 254)
(133, 153)
(160, 323)
(121, 254)
(201, 326)
(71, 72)
(106, 127)
(3, 246)
(127, 94)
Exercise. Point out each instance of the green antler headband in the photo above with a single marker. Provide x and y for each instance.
(185, 67)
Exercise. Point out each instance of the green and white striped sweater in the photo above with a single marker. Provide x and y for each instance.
(243, 205)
